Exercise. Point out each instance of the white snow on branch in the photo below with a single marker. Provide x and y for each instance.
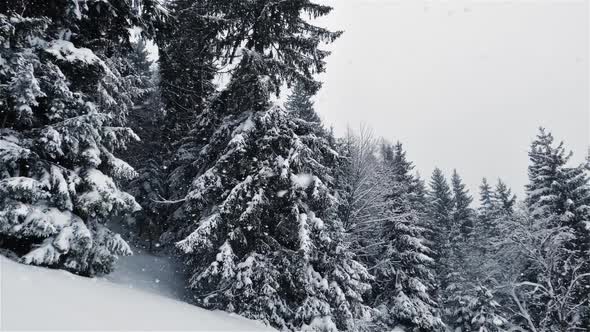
(302, 180)
(65, 50)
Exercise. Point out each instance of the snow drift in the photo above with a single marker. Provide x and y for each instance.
(35, 299)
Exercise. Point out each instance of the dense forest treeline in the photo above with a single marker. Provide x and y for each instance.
(275, 217)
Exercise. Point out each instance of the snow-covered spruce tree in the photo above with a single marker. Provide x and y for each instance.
(470, 302)
(461, 234)
(300, 103)
(462, 212)
(484, 228)
(448, 242)
(470, 297)
(504, 199)
(191, 43)
(440, 207)
(259, 226)
(421, 196)
(555, 189)
(477, 310)
(496, 207)
(407, 185)
(486, 199)
(62, 111)
(558, 198)
(205, 39)
(187, 45)
(542, 259)
(404, 276)
(440, 215)
(546, 161)
(268, 243)
(203, 36)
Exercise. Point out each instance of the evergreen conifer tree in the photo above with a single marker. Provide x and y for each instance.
(486, 198)
(402, 169)
(504, 199)
(403, 266)
(471, 302)
(557, 201)
(462, 212)
(558, 191)
(271, 246)
(446, 240)
(420, 195)
(63, 109)
(187, 44)
(484, 229)
(259, 225)
(476, 309)
(440, 211)
(299, 101)
(205, 39)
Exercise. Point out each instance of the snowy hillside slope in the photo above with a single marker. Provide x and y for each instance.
(34, 298)
(150, 273)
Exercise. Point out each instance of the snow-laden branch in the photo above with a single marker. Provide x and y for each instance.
(166, 201)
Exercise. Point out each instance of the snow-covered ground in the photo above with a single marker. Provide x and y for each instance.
(150, 273)
(140, 295)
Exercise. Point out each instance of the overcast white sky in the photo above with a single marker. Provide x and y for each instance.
(463, 84)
